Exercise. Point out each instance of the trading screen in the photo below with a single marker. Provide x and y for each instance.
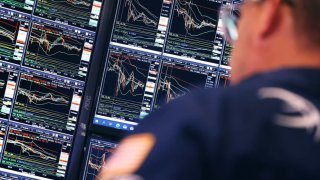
(97, 155)
(160, 51)
(46, 48)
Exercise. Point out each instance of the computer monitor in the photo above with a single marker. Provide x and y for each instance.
(46, 51)
(159, 51)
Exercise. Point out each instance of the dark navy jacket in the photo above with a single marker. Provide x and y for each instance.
(264, 128)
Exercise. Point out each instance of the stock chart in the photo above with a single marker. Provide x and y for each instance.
(13, 35)
(193, 29)
(129, 84)
(20, 5)
(137, 23)
(178, 78)
(98, 153)
(81, 13)
(28, 149)
(46, 103)
(59, 50)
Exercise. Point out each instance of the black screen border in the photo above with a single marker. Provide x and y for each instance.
(92, 84)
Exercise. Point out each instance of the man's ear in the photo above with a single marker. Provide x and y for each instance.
(269, 19)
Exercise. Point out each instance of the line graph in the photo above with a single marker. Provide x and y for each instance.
(137, 12)
(40, 98)
(46, 46)
(51, 41)
(131, 77)
(57, 50)
(194, 19)
(31, 148)
(74, 12)
(193, 29)
(98, 155)
(126, 83)
(177, 80)
(137, 22)
(43, 102)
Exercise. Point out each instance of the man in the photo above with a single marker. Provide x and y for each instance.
(265, 126)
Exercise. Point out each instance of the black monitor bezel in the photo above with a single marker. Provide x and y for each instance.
(97, 129)
(103, 35)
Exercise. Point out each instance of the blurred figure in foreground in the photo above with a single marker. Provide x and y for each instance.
(265, 126)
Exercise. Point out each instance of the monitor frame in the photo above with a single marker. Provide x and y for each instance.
(102, 40)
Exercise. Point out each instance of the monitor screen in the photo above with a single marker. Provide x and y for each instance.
(159, 51)
(193, 30)
(98, 151)
(46, 49)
